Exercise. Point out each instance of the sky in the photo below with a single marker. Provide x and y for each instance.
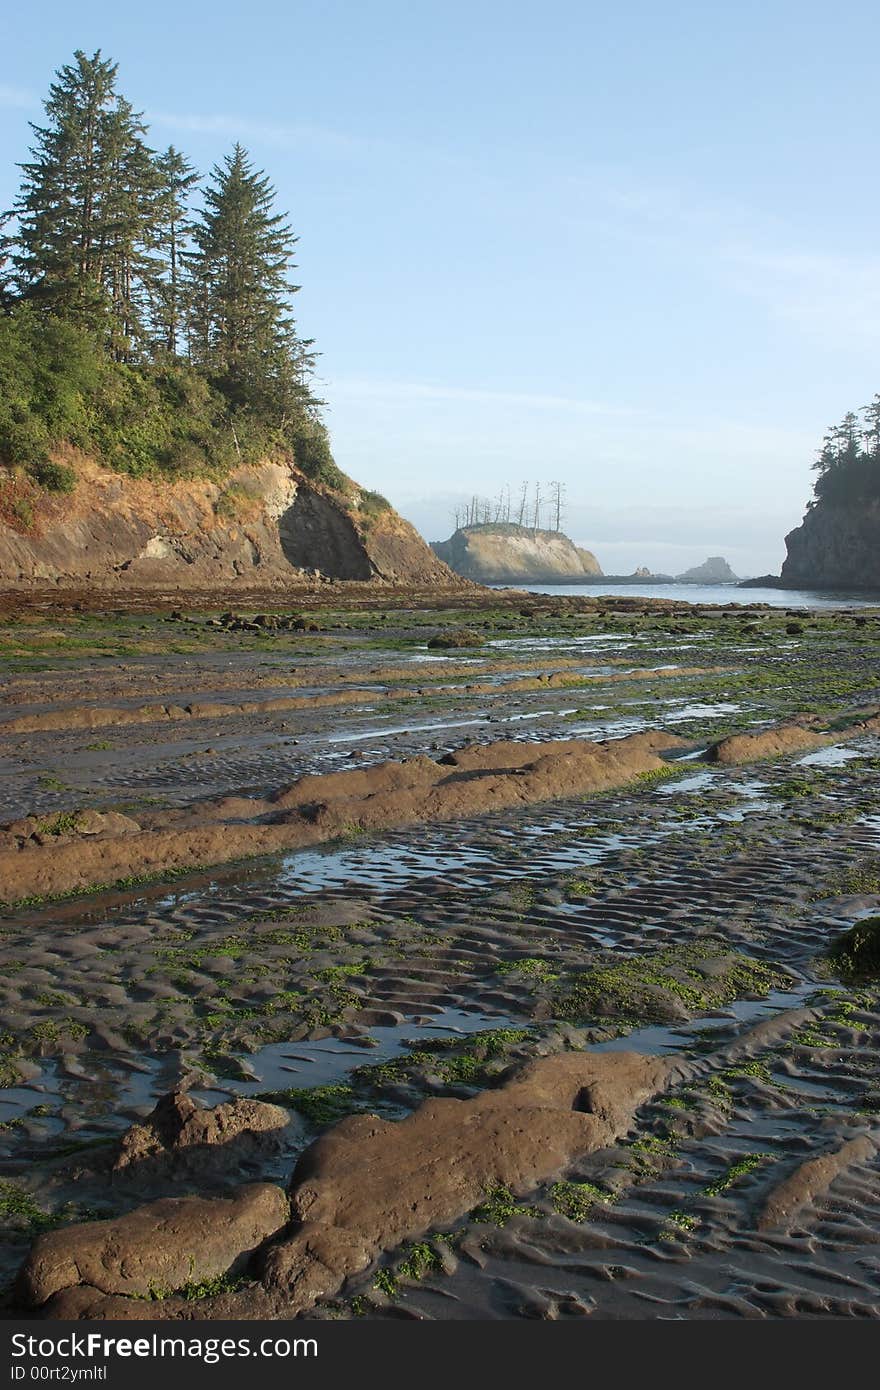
(631, 248)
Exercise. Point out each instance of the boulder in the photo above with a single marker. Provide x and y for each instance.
(157, 1248)
(186, 1139)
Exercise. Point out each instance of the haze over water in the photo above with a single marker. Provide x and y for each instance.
(698, 594)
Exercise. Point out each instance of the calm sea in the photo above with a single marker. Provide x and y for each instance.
(710, 593)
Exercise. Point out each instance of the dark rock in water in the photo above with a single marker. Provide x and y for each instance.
(835, 547)
(762, 581)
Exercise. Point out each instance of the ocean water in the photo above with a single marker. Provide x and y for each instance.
(698, 594)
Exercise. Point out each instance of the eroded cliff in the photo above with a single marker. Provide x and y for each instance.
(263, 527)
(502, 553)
(835, 547)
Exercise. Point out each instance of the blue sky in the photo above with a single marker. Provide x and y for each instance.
(633, 250)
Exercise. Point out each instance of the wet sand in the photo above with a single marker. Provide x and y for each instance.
(386, 968)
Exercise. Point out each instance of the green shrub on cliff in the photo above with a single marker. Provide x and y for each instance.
(161, 418)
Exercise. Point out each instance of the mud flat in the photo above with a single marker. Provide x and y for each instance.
(551, 916)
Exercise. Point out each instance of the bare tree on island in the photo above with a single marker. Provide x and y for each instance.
(480, 511)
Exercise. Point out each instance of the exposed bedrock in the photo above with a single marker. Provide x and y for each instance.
(801, 734)
(812, 1179)
(183, 1140)
(467, 783)
(768, 743)
(156, 1248)
(315, 533)
(265, 527)
(369, 1184)
(361, 1188)
(504, 553)
(835, 547)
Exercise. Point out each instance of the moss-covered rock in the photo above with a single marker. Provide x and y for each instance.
(857, 952)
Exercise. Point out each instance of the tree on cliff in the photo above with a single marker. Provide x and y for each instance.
(85, 207)
(242, 326)
(176, 178)
(848, 464)
(186, 353)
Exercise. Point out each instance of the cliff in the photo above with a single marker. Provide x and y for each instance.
(836, 546)
(262, 527)
(503, 553)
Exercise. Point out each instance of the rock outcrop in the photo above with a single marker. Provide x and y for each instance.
(181, 1139)
(715, 570)
(320, 807)
(264, 527)
(370, 1184)
(363, 1187)
(769, 743)
(156, 1248)
(504, 553)
(811, 1180)
(835, 547)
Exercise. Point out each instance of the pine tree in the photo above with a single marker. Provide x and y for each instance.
(243, 330)
(872, 429)
(130, 270)
(176, 178)
(86, 205)
(59, 208)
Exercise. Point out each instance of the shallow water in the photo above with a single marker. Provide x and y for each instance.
(835, 756)
(698, 594)
(673, 1037)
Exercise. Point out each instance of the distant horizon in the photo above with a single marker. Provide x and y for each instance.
(679, 557)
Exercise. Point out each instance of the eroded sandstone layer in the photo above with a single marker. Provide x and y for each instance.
(318, 808)
(264, 528)
(509, 554)
(362, 1188)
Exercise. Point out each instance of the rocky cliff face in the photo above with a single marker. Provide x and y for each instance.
(509, 554)
(835, 547)
(263, 527)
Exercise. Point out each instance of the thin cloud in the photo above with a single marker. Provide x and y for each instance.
(17, 98)
(824, 294)
(397, 391)
(304, 136)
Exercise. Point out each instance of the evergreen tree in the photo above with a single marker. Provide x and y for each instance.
(243, 331)
(101, 262)
(176, 178)
(86, 205)
(60, 239)
(872, 429)
(130, 270)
